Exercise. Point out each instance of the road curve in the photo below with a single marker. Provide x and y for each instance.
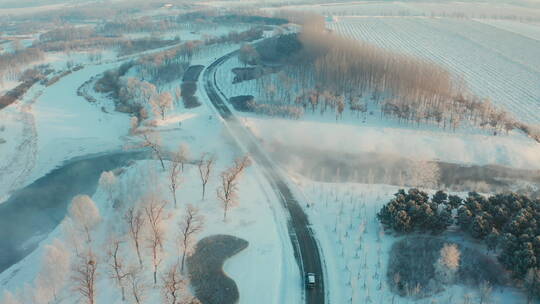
(305, 245)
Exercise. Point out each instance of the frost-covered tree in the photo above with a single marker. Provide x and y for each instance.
(191, 225)
(161, 103)
(137, 285)
(136, 221)
(155, 214)
(71, 234)
(447, 265)
(117, 268)
(152, 140)
(227, 192)
(173, 286)
(174, 173)
(9, 298)
(85, 214)
(183, 155)
(205, 165)
(54, 268)
(108, 181)
(85, 276)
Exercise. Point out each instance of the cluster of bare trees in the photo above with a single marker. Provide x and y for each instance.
(333, 73)
(137, 256)
(133, 25)
(12, 64)
(286, 111)
(68, 33)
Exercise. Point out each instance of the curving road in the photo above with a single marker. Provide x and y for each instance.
(305, 245)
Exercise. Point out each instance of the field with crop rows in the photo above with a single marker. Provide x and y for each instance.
(495, 63)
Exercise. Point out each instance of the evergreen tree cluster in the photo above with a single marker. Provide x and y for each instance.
(415, 211)
(507, 223)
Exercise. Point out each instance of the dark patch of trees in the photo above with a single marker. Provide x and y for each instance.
(507, 223)
(142, 44)
(188, 94)
(415, 211)
(237, 37)
(280, 49)
(110, 81)
(67, 33)
(143, 24)
(234, 18)
(240, 103)
(28, 78)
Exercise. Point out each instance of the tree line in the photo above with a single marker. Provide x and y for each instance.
(331, 73)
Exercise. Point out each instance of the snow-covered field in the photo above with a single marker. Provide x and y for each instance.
(496, 64)
(356, 248)
(530, 30)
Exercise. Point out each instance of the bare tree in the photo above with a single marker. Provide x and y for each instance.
(135, 221)
(205, 165)
(54, 268)
(155, 214)
(153, 141)
(107, 180)
(174, 173)
(191, 225)
(227, 192)
(84, 213)
(85, 275)
(137, 284)
(183, 155)
(118, 270)
(173, 286)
